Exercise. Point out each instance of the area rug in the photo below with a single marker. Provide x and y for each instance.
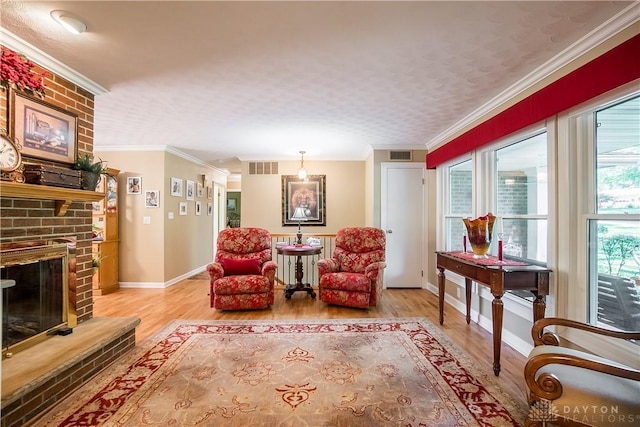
(346, 372)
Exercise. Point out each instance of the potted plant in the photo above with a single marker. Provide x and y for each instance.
(91, 171)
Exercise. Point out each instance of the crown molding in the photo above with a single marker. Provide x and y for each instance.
(34, 54)
(623, 20)
(163, 148)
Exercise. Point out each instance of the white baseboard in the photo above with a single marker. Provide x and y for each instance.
(162, 285)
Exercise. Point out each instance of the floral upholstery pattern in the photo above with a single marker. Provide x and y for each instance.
(242, 292)
(353, 275)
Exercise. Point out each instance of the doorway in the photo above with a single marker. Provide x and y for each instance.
(403, 220)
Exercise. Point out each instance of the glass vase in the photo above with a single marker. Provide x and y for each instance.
(479, 231)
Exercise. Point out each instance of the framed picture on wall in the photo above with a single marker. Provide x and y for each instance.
(303, 201)
(191, 191)
(152, 199)
(198, 207)
(209, 209)
(199, 189)
(182, 210)
(44, 130)
(134, 184)
(176, 187)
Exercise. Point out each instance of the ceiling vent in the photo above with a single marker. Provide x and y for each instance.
(263, 168)
(400, 156)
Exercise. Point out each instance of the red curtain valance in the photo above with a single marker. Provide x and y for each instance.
(612, 69)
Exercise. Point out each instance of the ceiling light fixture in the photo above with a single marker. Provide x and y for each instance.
(302, 172)
(69, 22)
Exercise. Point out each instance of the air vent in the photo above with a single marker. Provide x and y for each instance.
(400, 155)
(263, 168)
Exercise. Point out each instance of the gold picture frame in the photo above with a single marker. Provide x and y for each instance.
(44, 130)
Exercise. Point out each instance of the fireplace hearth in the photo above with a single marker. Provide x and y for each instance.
(36, 277)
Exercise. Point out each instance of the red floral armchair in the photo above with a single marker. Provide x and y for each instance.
(353, 275)
(243, 274)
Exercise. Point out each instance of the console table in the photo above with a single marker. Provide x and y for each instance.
(299, 252)
(499, 276)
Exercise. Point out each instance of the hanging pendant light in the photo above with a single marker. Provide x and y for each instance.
(302, 172)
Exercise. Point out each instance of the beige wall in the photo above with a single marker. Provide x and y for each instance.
(164, 250)
(345, 196)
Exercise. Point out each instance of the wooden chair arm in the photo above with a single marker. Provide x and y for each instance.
(540, 337)
(549, 387)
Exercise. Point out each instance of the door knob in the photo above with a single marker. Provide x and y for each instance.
(389, 231)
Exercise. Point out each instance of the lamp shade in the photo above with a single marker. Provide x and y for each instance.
(299, 214)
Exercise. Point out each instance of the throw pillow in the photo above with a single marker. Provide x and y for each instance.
(239, 267)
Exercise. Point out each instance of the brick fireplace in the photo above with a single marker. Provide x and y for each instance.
(35, 379)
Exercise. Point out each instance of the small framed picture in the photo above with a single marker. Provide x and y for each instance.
(183, 208)
(209, 192)
(209, 209)
(134, 184)
(198, 208)
(191, 190)
(152, 199)
(176, 187)
(199, 190)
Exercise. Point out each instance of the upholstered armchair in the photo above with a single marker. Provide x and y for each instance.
(353, 275)
(242, 275)
(570, 387)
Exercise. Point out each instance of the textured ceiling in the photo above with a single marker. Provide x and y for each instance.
(264, 80)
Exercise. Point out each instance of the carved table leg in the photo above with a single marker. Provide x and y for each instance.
(497, 308)
(467, 293)
(441, 278)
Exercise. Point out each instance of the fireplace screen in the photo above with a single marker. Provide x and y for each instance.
(34, 293)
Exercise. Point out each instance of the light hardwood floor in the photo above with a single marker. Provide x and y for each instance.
(189, 300)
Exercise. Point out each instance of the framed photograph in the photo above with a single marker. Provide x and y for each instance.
(152, 199)
(209, 209)
(176, 187)
(134, 184)
(199, 190)
(191, 190)
(303, 201)
(183, 208)
(198, 208)
(231, 205)
(209, 192)
(44, 130)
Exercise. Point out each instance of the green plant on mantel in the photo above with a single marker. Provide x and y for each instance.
(86, 163)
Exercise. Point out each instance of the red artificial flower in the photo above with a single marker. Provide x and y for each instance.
(17, 71)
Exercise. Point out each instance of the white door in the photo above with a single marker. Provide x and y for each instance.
(402, 219)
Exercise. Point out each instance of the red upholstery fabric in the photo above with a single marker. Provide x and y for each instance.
(242, 250)
(353, 276)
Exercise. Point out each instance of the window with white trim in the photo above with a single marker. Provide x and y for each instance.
(613, 216)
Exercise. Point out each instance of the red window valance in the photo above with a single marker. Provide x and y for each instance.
(612, 69)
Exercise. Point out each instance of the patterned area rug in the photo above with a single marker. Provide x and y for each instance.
(347, 372)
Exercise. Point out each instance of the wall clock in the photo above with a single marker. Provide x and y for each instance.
(10, 160)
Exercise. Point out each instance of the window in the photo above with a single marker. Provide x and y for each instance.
(613, 225)
(522, 198)
(459, 204)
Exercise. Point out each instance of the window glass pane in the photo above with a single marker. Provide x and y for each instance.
(461, 189)
(455, 231)
(615, 273)
(522, 177)
(618, 158)
(525, 238)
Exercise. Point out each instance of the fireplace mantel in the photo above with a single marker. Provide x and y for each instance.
(62, 196)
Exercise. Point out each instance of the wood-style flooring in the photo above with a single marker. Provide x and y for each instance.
(189, 300)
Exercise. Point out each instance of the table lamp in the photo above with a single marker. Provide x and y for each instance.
(299, 215)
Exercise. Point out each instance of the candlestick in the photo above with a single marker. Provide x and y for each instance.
(500, 247)
(464, 243)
